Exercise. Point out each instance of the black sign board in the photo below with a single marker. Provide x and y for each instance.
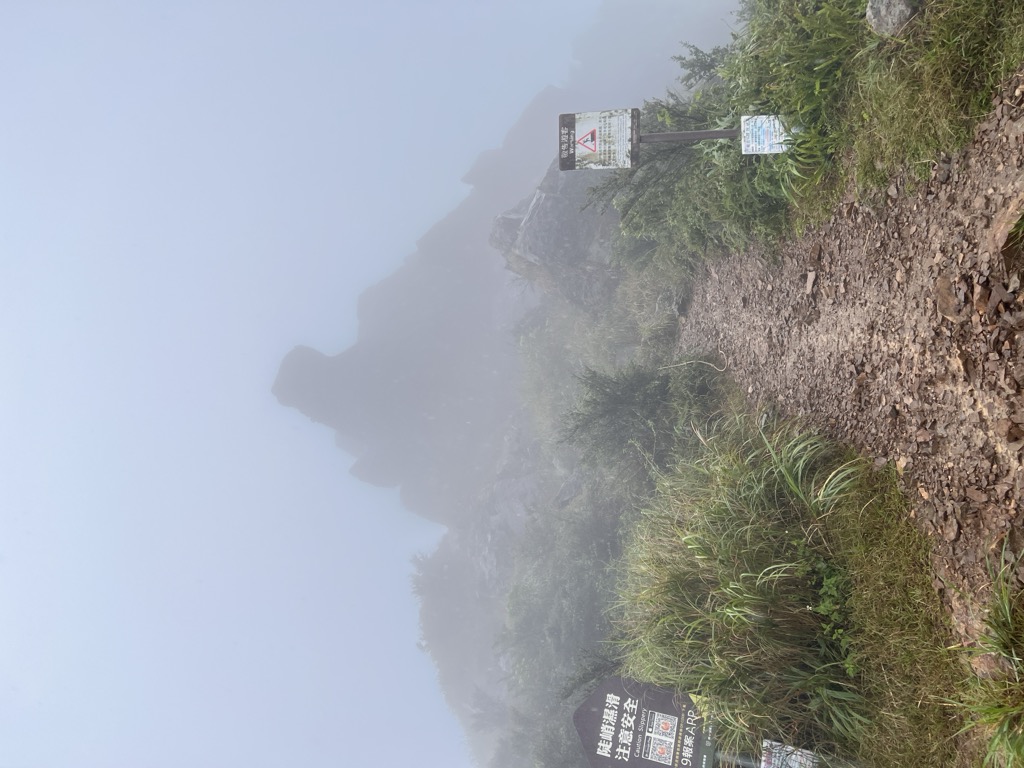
(627, 723)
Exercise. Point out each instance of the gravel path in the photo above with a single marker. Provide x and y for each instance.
(898, 327)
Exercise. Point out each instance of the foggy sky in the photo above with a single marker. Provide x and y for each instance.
(187, 190)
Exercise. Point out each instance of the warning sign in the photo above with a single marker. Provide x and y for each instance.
(625, 722)
(589, 141)
(609, 139)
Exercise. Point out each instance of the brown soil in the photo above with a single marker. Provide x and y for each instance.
(898, 327)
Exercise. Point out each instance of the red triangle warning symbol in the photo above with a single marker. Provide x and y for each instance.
(588, 140)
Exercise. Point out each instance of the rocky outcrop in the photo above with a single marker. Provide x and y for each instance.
(423, 399)
(558, 239)
(888, 17)
(424, 412)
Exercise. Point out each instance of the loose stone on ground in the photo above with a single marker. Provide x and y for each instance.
(898, 327)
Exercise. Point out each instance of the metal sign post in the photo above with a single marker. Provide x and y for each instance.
(689, 137)
(612, 138)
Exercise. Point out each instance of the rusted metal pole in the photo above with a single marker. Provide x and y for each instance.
(725, 760)
(688, 137)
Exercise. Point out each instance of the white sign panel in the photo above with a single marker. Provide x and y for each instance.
(596, 140)
(762, 135)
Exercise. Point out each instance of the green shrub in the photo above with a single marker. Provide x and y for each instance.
(998, 702)
(780, 578)
(637, 418)
(726, 589)
(860, 109)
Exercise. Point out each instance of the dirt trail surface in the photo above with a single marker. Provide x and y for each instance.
(898, 327)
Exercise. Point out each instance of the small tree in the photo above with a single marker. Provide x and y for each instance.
(637, 418)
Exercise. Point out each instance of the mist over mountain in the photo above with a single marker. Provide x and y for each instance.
(428, 398)
(421, 399)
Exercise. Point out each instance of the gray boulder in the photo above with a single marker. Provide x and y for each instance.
(888, 17)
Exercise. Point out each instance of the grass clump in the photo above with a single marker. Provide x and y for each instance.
(998, 702)
(861, 108)
(779, 577)
(922, 93)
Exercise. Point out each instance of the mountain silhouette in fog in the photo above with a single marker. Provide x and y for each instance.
(423, 398)
(427, 399)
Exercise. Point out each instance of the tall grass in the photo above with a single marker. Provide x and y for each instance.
(997, 703)
(923, 93)
(797, 59)
(867, 106)
(774, 575)
(861, 108)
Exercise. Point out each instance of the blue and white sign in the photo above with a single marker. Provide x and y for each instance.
(763, 135)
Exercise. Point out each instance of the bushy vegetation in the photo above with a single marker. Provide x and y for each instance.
(561, 586)
(607, 415)
(560, 339)
(766, 569)
(780, 577)
(860, 107)
(997, 702)
(637, 418)
(770, 571)
(755, 564)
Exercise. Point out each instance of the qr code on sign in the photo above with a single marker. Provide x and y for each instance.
(658, 750)
(663, 725)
